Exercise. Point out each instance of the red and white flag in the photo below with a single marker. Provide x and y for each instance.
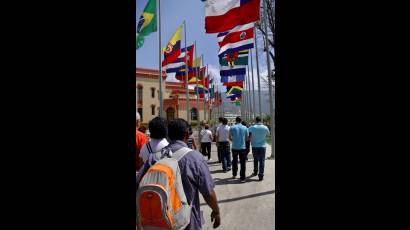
(238, 39)
(223, 15)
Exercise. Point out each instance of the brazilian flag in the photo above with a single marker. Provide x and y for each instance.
(147, 23)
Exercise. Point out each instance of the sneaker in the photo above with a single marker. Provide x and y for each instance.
(260, 178)
(254, 174)
(243, 181)
(228, 169)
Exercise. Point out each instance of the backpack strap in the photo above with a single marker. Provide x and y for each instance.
(181, 153)
(149, 148)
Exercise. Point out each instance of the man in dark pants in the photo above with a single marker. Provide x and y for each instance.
(258, 139)
(238, 135)
(218, 150)
(222, 138)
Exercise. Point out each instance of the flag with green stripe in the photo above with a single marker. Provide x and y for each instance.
(238, 58)
(147, 23)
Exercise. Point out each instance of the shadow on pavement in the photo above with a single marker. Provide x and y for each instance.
(244, 197)
(216, 171)
(230, 180)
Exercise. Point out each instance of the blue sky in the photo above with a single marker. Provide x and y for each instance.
(173, 13)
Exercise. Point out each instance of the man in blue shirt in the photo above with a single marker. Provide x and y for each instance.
(238, 135)
(258, 141)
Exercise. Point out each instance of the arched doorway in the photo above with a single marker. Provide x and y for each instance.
(170, 113)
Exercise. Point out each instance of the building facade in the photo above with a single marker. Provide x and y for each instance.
(174, 98)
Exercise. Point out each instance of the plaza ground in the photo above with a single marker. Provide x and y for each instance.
(249, 205)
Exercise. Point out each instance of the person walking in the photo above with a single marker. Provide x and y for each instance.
(206, 140)
(141, 140)
(238, 135)
(220, 119)
(222, 138)
(195, 173)
(258, 142)
(158, 132)
(191, 140)
(247, 142)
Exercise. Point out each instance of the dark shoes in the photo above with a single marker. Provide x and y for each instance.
(260, 178)
(254, 174)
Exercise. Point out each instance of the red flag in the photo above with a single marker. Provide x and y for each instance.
(239, 83)
(221, 16)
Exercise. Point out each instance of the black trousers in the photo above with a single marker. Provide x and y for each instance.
(242, 158)
(225, 151)
(206, 149)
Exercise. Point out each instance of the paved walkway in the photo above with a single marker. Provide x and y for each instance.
(249, 205)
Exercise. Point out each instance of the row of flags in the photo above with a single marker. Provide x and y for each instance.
(234, 21)
(176, 59)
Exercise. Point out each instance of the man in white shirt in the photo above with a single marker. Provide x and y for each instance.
(206, 140)
(222, 137)
(158, 133)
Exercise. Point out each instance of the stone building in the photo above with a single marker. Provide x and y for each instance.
(174, 96)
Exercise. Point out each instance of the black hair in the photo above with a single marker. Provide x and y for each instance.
(244, 123)
(220, 119)
(225, 121)
(258, 119)
(158, 128)
(238, 119)
(142, 129)
(177, 129)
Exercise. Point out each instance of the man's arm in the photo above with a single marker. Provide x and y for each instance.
(206, 188)
(212, 202)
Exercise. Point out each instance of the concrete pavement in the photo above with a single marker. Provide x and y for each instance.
(249, 205)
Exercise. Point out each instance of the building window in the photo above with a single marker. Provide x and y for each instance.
(139, 96)
(153, 110)
(153, 92)
(170, 114)
(140, 112)
(194, 114)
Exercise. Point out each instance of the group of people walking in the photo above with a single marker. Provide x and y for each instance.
(176, 135)
(241, 137)
(239, 134)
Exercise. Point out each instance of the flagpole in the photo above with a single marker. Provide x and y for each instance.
(196, 73)
(186, 77)
(245, 99)
(208, 89)
(249, 94)
(222, 107)
(272, 131)
(161, 101)
(253, 88)
(257, 73)
(219, 104)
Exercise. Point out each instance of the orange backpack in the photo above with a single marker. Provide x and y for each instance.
(161, 200)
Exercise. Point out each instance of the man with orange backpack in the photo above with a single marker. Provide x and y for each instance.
(164, 200)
